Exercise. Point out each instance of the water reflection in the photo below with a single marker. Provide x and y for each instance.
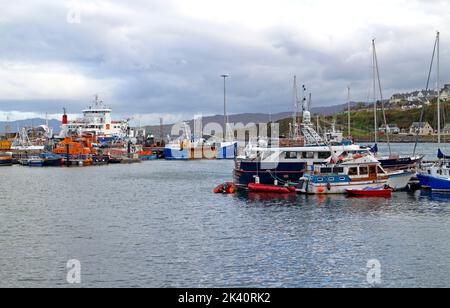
(435, 196)
(163, 226)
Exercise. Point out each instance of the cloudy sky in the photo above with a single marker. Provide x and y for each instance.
(153, 58)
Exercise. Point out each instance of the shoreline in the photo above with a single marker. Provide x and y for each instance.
(406, 139)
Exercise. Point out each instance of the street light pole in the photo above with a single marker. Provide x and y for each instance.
(225, 114)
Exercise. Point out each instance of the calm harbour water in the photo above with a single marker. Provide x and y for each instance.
(157, 224)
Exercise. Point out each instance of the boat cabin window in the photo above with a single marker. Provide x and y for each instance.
(324, 155)
(338, 170)
(372, 170)
(380, 170)
(353, 171)
(308, 155)
(291, 155)
(326, 170)
(363, 171)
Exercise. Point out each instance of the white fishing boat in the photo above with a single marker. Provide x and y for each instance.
(435, 176)
(35, 161)
(23, 143)
(360, 172)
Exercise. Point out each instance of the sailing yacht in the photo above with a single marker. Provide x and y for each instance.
(436, 176)
(393, 161)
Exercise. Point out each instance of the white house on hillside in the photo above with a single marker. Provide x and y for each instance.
(446, 129)
(445, 93)
(424, 129)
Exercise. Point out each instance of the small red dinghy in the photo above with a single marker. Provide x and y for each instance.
(380, 193)
(269, 188)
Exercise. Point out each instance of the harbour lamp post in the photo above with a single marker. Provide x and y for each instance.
(225, 115)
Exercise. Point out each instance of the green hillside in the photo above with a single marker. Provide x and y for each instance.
(363, 120)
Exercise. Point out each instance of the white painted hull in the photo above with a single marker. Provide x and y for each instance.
(339, 189)
(28, 148)
(400, 180)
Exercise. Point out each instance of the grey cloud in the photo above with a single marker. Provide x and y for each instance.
(170, 64)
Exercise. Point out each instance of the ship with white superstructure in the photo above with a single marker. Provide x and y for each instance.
(96, 120)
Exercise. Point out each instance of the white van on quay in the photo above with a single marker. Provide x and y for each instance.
(391, 129)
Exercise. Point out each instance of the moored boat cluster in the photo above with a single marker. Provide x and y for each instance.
(329, 166)
(93, 140)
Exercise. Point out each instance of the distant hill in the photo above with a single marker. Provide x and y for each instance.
(15, 126)
(246, 118)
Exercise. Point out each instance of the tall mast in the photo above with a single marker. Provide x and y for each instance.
(438, 89)
(375, 105)
(310, 102)
(430, 72)
(349, 113)
(381, 98)
(294, 117)
(304, 102)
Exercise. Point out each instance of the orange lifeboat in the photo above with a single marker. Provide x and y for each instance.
(74, 147)
(81, 149)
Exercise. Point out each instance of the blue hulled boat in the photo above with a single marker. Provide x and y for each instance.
(227, 150)
(51, 160)
(35, 162)
(436, 177)
(200, 149)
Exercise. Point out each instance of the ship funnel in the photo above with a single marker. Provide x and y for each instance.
(65, 119)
